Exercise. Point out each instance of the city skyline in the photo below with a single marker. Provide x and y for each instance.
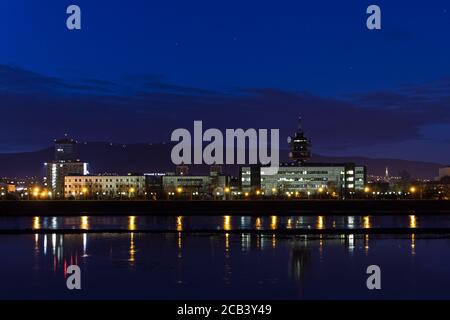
(151, 157)
(223, 159)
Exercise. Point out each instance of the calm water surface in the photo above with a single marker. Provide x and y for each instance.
(173, 223)
(137, 265)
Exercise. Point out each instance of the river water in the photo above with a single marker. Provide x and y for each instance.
(178, 261)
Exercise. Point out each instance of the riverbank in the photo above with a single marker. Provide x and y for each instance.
(235, 207)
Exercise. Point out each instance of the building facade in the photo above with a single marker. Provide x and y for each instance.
(299, 145)
(310, 179)
(66, 163)
(56, 172)
(104, 187)
(66, 149)
(213, 185)
(300, 177)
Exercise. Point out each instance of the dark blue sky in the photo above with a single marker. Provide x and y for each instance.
(139, 69)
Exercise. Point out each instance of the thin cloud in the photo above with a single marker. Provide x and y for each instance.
(145, 109)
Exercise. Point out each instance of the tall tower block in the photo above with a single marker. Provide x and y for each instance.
(299, 145)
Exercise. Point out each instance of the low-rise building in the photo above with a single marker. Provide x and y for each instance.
(310, 179)
(104, 186)
(198, 186)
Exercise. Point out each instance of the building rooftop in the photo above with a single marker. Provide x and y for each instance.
(311, 164)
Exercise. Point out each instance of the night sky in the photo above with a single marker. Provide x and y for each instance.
(138, 69)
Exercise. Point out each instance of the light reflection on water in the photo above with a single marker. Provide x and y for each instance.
(226, 222)
(132, 223)
(320, 223)
(36, 223)
(244, 265)
(412, 221)
(366, 222)
(84, 223)
(248, 242)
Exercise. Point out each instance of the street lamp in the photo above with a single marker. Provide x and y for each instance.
(367, 191)
(227, 191)
(130, 192)
(84, 191)
(36, 192)
(320, 190)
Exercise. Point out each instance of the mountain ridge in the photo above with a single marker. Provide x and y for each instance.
(123, 158)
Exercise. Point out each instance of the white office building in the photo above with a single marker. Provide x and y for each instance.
(309, 179)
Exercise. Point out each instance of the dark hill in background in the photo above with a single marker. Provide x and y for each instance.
(118, 158)
(377, 166)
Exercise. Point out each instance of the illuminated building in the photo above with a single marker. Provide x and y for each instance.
(198, 186)
(66, 150)
(66, 163)
(104, 186)
(7, 187)
(304, 179)
(57, 171)
(298, 178)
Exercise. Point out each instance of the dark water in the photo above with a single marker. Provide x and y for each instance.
(174, 223)
(136, 265)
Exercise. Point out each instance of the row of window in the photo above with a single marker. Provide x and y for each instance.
(299, 179)
(102, 180)
(100, 186)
